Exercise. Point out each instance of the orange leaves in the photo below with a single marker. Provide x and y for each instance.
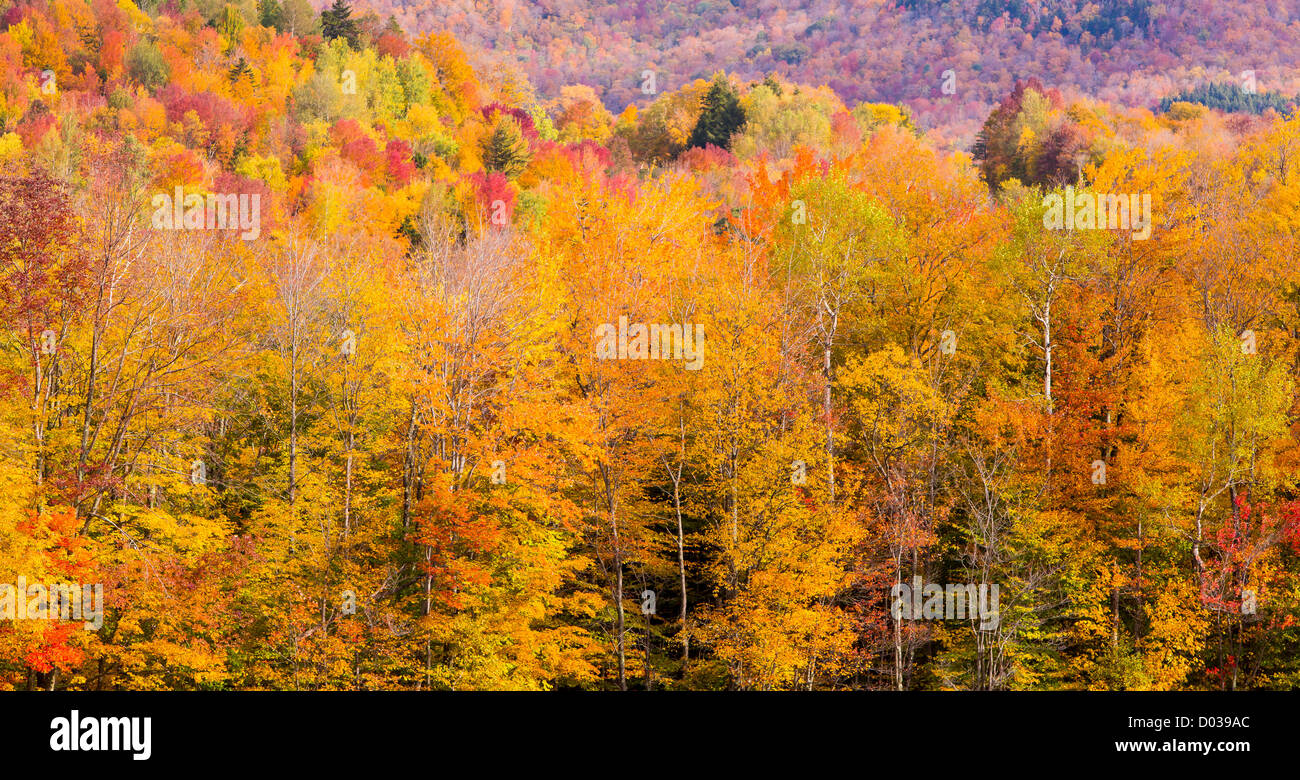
(452, 67)
(45, 554)
(54, 651)
(426, 461)
(579, 115)
(179, 168)
(67, 553)
(456, 519)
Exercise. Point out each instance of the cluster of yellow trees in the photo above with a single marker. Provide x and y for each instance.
(376, 447)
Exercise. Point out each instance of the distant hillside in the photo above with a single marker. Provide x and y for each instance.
(1133, 52)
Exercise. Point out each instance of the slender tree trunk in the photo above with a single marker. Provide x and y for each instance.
(648, 616)
(830, 431)
(618, 602)
(681, 567)
(409, 471)
(898, 631)
(293, 416)
(352, 441)
(1047, 351)
(676, 476)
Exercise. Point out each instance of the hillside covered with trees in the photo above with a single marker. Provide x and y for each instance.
(364, 431)
(1129, 52)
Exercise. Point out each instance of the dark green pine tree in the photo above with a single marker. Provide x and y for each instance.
(506, 149)
(1231, 97)
(337, 22)
(721, 116)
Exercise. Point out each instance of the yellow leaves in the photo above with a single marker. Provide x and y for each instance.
(139, 19)
(265, 169)
(404, 202)
(683, 111)
(1237, 408)
(873, 115)
(25, 37)
(10, 146)
(893, 400)
(334, 196)
(188, 534)
(17, 487)
(1027, 140)
(580, 115)
(469, 141)
(776, 646)
(628, 116)
(142, 664)
(1176, 634)
(1182, 112)
(476, 344)
(423, 119)
(663, 129)
(451, 69)
(279, 77)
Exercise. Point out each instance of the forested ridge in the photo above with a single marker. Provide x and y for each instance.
(390, 423)
(1127, 52)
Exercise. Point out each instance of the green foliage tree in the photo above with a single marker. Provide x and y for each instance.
(146, 66)
(1231, 98)
(506, 149)
(271, 14)
(722, 115)
(337, 22)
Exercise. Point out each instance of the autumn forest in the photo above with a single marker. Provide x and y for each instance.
(362, 347)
